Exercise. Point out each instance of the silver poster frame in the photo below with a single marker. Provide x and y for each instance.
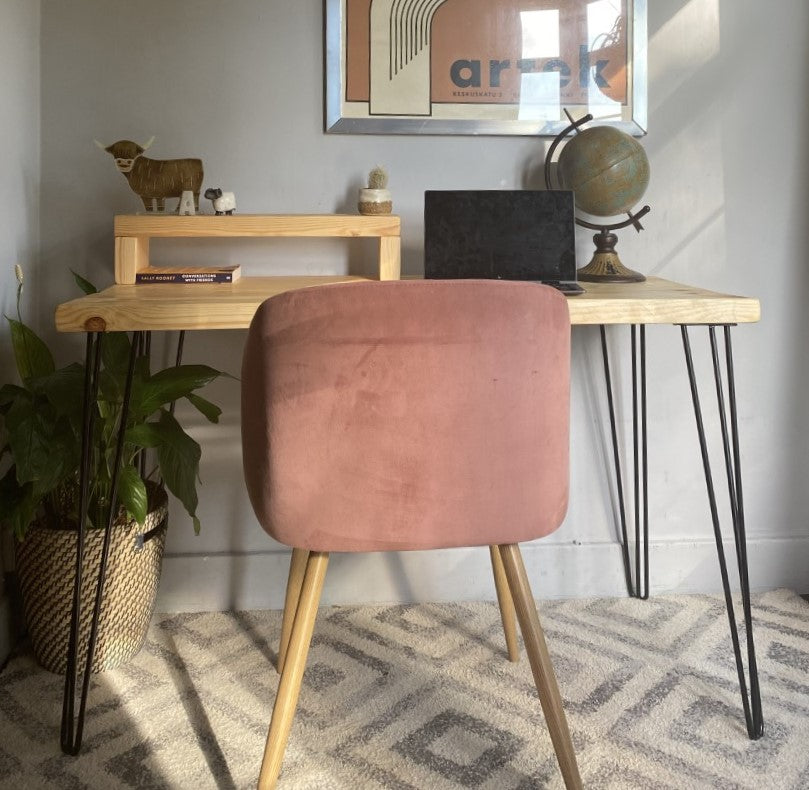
(337, 121)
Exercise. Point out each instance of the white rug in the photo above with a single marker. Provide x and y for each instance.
(423, 697)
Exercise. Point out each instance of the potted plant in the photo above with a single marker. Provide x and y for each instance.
(376, 197)
(40, 451)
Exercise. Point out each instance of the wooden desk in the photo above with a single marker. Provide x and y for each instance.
(160, 306)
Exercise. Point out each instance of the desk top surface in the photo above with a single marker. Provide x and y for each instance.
(161, 306)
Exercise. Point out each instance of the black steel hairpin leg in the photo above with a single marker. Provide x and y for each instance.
(730, 441)
(91, 369)
(638, 585)
(72, 727)
(146, 350)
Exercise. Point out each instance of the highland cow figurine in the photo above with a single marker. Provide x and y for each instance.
(154, 180)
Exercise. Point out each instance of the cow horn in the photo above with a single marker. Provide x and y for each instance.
(100, 145)
(148, 143)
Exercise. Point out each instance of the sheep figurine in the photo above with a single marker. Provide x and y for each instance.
(223, 202)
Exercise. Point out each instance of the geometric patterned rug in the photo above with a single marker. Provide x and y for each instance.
(422, 696)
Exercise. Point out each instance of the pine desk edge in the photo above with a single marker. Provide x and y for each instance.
(164, 307)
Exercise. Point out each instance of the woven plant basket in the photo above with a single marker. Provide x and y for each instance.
(46, 562)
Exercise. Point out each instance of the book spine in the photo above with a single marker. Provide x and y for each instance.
(183, 277)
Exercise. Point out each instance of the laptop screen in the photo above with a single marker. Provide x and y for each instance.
(499, 234)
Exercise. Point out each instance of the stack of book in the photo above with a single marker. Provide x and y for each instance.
(185, 274)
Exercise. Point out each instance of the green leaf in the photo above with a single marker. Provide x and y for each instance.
(115, 349)
(113, 382)
(147, 435)
(178, 456)
(29, 427)
(10, 492)
(110, 393)
(65, 455)
(169, 385)
(64, 389)
(17, 503)
(132, 493)
(10, 393)
(106, 406)
(31, 354)
(85, 285)
(44, 448)
(210, 410)
(142, 372)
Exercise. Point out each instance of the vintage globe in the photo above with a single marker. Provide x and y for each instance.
(608, 172)
(606, 169)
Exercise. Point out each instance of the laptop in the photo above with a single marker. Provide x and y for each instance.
(501, 234)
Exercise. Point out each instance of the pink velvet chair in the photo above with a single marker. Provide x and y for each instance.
(387, 416)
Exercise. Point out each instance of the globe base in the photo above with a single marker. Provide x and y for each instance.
(605, 265)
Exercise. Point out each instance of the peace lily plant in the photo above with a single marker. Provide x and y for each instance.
(41, 431)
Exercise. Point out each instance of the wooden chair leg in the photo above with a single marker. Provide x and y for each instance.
(297, 568)
(507, 613)
(289, 687)
(541, 666)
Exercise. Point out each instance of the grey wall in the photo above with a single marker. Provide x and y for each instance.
(19, 174)
(240, 84)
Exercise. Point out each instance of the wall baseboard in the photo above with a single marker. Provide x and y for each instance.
(556, 570)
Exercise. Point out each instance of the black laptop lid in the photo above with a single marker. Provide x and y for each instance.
(500, 234)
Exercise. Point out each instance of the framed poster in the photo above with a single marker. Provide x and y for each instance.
(484, 66)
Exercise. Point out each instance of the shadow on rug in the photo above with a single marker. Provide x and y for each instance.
(422, 696)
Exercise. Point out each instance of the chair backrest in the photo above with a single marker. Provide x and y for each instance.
(408, 414)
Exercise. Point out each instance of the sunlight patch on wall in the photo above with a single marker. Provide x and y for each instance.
(689, 242)
(682, 46)
(688, 162)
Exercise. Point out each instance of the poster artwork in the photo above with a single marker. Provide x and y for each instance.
(484, 59)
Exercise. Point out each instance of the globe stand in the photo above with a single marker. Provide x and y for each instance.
(605, 265)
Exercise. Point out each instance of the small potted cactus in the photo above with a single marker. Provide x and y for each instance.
(375, 198)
